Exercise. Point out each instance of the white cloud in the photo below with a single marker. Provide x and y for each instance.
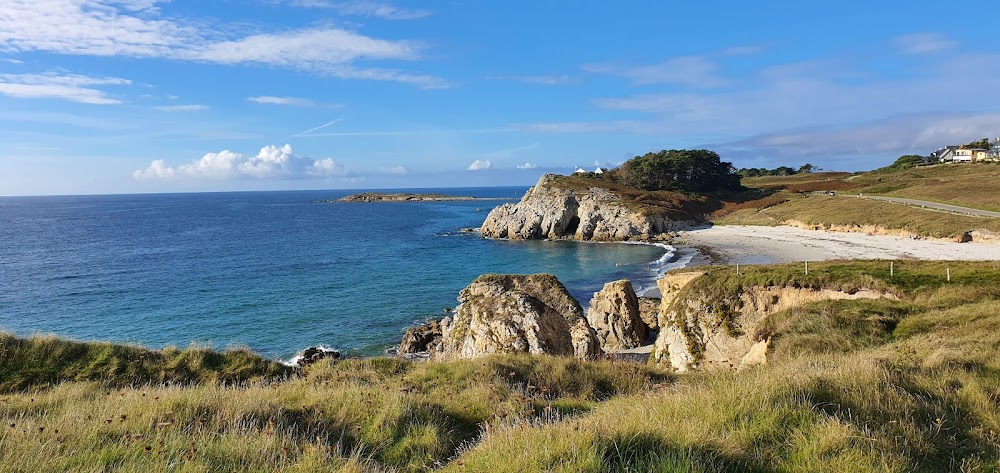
(527, 166)
(265, 99)
(12, 61)
(394, 170)
(182, 108)
(923, 43)
(134, 28)
(364, 8)
(270, 163)
(75, 88)
(689, 71)
(480, 165)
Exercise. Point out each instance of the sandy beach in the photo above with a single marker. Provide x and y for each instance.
(762, 245)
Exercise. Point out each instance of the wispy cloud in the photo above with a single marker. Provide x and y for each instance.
(544, 79)
(923, 43)
(690, 71)
(72, 87)
(265, 99)
(473, 131)
(182, 108)
(134, 28)
(394, 170)
(271, 162)
(527, 166)
(363, 8)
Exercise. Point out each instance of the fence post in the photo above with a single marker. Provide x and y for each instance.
(949, 274)
(807, 268)
(737, 269)
(892, 271)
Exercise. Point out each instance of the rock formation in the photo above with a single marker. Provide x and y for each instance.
(614, 315)
(649, 312)
(550, 211)
(313, 354)
(516, 314)
(705, 330)
(420, 339)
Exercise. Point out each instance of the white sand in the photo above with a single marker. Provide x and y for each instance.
(762, 245)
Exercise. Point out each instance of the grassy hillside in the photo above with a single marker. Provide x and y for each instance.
(782, 199)
(885, 385)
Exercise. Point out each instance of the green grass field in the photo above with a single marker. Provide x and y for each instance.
(869, 385)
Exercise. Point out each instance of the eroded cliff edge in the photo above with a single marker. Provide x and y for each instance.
(569, 207)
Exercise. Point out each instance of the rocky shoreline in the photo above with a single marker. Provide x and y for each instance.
(368, 197)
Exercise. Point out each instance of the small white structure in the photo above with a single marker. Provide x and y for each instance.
(579, 171)
(994, 152)
(598, 170)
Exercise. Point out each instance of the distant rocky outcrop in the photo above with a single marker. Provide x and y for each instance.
(516, 314)
(614, 315)
(701, 328)
(550, 210)
(423, 338)
(400, 197)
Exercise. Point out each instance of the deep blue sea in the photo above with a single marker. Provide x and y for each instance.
(272, 271)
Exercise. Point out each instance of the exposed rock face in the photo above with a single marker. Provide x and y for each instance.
(614, 315)
(420, 339)
(512, 314)
(548, 211)
(704, 331)
(649, 312)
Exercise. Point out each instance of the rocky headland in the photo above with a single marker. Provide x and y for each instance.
(571, 207)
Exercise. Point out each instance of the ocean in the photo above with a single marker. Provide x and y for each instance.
(271, 271)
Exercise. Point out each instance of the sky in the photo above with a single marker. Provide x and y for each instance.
(134, 96)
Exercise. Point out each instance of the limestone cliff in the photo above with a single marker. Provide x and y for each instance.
(701, 328)
(614, 315)
(551, 210)
(516, 314)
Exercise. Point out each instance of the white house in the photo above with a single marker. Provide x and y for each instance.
(579, 171)
(598, 170)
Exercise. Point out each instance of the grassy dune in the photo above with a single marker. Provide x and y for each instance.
(868, 385)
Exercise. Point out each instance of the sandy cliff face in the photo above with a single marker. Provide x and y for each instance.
(516, 314)
(705, 331)
(548, 211)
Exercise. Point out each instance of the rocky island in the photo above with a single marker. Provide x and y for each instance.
(402, 197)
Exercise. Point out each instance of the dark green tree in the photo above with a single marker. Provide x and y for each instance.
(979, 144)
(807, 168)
(680, 170)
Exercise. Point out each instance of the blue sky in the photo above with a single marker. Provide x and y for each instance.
(102, 96)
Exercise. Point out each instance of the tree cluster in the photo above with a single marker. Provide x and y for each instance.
(979, 144)
(778, 171)
(907, 161)
(678, 170)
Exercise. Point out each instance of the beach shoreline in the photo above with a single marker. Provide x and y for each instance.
(744, 244)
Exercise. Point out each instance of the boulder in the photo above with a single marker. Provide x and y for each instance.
(313, 354)
(614, 315)
(516, 314)
(420, 339)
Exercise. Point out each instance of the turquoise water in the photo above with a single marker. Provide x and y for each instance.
(268, 270)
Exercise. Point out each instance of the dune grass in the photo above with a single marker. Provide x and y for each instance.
(866, 385)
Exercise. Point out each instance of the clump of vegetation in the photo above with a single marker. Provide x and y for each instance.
(697, 171)
(778, 171)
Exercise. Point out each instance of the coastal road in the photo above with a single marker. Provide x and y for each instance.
(930, 205)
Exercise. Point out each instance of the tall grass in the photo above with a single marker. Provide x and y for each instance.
(870, 385)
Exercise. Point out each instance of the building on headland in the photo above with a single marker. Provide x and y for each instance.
(579, 171)
(969, 155)
(944, 155)
(994, 153)
(599, 170)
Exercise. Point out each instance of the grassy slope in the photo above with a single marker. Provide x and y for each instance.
(784, 198)
(907, 385)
